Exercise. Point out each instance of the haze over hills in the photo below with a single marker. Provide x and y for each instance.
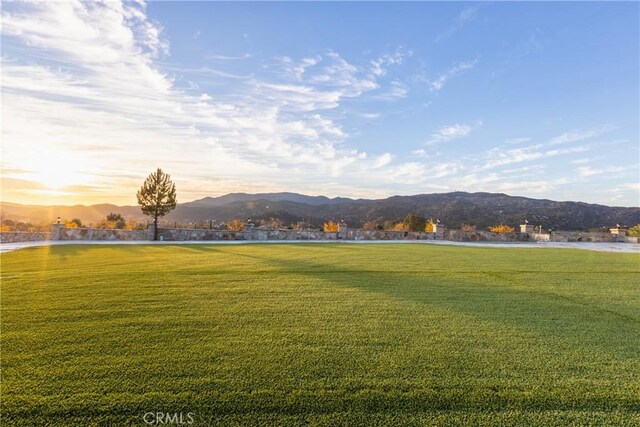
(453, 209)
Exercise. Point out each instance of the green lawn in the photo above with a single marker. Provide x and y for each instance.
(320, 334)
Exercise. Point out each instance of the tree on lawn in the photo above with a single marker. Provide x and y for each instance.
(157, 197)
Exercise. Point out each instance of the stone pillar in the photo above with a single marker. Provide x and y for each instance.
(438, 229)
(248, 231)
(342, 231)
(55, 231)
(618, 231)
(526, 228)
(150, 232)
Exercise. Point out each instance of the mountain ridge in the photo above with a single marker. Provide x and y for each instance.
(453, 209)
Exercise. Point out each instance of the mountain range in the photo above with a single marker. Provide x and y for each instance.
(453, 209)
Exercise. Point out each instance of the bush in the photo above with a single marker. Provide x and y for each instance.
(468, 227)
(401, 226)
(331, 227)
(74, 223)
(272, 222)
(429, 227)
(634, 231)
(415, 222)
(235, 225)
(132, 224)
(371, 225)
(117, 220)
(501, 229)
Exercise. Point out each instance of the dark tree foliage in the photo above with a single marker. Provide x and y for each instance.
(415, 222)
(117, 219)
(157, 197)
(114, 217)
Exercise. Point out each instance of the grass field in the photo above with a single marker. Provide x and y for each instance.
(320, 334)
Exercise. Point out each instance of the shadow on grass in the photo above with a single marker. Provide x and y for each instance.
(498, 298)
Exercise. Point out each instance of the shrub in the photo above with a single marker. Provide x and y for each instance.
(371, 225)
(330, 227)
(132, 224)
(401, 226)
(634, 231)
(388, 225)
(468, 227)
(117, 220)
(429, 227)
(415, 222)
(4, 228)
(235, 225)
(74, 223)
(272, 222)
(501, 229)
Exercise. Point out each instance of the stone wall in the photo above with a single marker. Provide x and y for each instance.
(24, 236)
(260, 234)
(265, 234)
(99, 234)
(583, 236)
(183, 234)
(257, 234)
(484, 236)
(359, 234)
(60, 232)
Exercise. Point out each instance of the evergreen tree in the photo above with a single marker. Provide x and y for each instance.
(157, 197)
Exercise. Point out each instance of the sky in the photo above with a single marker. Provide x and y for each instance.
(358, 99)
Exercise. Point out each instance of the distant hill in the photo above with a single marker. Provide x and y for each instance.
(273, 197)
(453, 209)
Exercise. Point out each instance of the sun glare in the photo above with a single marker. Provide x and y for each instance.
(57, 171)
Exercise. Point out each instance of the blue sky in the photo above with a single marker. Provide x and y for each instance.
(342, 99)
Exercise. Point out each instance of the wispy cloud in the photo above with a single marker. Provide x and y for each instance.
(516, 141)
(465, 16)
(590, 171)
(380, 65)
(581, 161)
(500, 157)
(580, 135)
(111, 70)
(439, 82)
(420, 152)
(228, 57)
(504, 155)
(450, 132)
(396, 90)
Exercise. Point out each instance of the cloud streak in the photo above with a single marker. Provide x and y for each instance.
(465, 16)
(451, 132)
(439, 82)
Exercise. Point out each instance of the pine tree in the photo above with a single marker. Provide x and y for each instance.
(157, 197)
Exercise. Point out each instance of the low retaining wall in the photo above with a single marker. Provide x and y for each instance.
(264, 234)
(389, 235)
(99, 234)
(183, 234)
(24, 236)
(484, 236)
(60, 232)
(578, 236)
(180, 234)
(581, 236)
(259, 234)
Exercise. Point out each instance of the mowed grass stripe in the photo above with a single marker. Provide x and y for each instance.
(326, 334)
